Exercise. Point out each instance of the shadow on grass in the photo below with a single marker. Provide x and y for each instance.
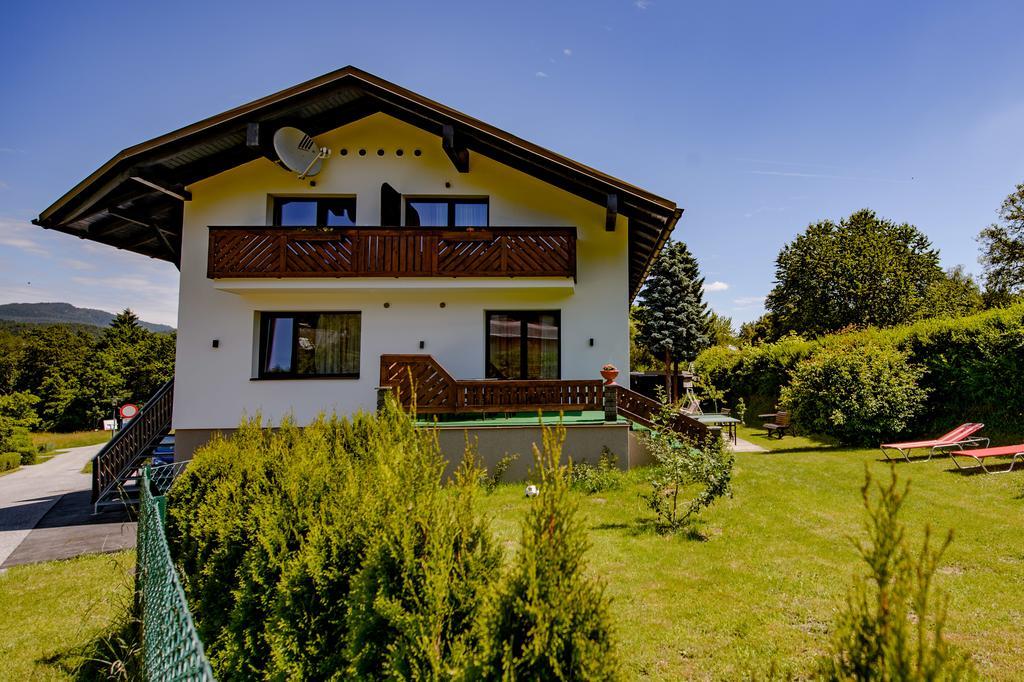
(650, 527)
(113, 655)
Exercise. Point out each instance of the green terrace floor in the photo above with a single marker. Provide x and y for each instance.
(463, 421)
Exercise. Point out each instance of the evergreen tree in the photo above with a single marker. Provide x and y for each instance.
(672, 318)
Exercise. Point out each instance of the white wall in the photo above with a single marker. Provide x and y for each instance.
(213, 387)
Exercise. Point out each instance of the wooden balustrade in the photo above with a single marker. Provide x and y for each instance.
(642, 410)
(391, 252)
(420, 381)
(122, 453)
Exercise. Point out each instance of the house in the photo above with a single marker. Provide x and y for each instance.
(495, 273)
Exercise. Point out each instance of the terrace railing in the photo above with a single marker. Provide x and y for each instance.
(642, 410)
(391, 252)
(420, 379)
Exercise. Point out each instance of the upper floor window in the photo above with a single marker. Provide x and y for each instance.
(319, 211)
(446, 212)
(301, 345)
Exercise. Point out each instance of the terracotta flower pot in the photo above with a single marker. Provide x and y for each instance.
(609, 374)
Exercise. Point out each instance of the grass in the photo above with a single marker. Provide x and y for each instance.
(58, 616)
(62, 441)
(776, 561)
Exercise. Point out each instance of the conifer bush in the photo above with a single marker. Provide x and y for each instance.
(891, 627)
(330, 551)
(547, 619)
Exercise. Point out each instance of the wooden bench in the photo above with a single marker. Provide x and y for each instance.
(779, 425)
(979, 456)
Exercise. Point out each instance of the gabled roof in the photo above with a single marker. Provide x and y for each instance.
(134, 200)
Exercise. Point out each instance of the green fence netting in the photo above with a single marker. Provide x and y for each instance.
(171, 649)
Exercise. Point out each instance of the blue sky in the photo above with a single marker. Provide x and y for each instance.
(758, 118)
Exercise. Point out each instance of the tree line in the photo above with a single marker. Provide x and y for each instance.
(71, 377)
(861, 271)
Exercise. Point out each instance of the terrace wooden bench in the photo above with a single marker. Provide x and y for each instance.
(981, 454)
(779, 425)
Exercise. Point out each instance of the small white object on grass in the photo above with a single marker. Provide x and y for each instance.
(532, 491)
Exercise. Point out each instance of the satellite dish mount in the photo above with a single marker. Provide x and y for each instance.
(299, 152)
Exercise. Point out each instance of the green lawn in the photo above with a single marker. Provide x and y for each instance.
(777, 560)
(56, 615)
(63, 441)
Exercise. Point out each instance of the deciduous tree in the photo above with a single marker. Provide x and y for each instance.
(863, 270)
(1002, 249)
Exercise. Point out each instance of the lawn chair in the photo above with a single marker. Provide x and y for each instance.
(981, 454)
(957, 438)
(779, 425)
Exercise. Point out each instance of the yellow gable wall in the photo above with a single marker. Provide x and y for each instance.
(214, 387)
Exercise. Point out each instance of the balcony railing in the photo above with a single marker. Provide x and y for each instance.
(391, 252)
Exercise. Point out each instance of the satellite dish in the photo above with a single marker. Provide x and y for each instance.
(299, 152)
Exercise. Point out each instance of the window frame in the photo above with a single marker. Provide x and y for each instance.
(451, 202)
(265, 316)
(322, 203)
(524, 361)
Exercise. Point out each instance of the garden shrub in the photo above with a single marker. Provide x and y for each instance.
(970, 369)
(591, 478)
(9, 460)
(891, 627)
(428, 568)
(860, 394)
(548, 620)
(700, 472)
(331, 551)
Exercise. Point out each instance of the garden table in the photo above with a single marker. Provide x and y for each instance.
(724, 420)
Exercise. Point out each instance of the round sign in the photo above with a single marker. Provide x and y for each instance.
(128, 411)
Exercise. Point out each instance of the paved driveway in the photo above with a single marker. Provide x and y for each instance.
(45, 513)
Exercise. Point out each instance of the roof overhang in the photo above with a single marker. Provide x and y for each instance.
(134, 200)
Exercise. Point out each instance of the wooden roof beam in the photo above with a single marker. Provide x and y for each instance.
(179, 193)
(454, 148)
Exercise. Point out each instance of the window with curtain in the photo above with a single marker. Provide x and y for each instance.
(300, 345)
(316, 211)
(524, 345)
(446, 213)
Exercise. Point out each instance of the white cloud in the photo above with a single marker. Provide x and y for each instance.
(641, 4)
(4, 185)
(748, 301)
(540, 74)
(76, 264)
(716, 286)
(567, 52)
(18, 234)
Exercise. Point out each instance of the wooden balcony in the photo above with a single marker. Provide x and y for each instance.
(391, 252)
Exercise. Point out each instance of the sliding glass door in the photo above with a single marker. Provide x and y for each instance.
(524, 344)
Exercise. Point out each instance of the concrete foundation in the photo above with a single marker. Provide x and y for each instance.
(583, 443)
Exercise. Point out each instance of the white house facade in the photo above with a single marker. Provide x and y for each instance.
(432, 255)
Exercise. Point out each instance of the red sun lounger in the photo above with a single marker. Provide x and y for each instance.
(958, 437)
(979, 455)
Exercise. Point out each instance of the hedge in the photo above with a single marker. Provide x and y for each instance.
(972, 368)
(9, 461)
(338, 551)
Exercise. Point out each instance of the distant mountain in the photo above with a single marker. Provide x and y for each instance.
(64, 313)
